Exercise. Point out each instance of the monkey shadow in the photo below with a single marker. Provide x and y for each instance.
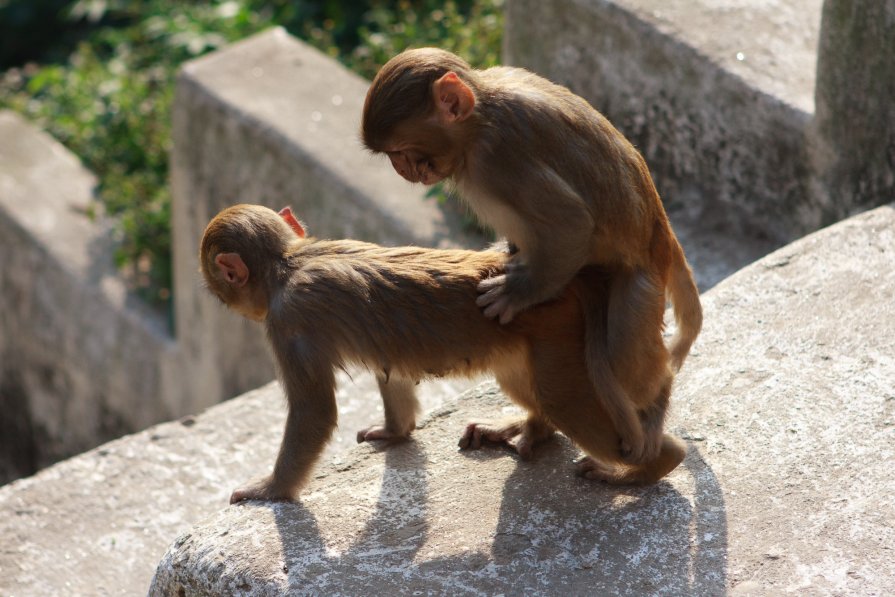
(635, 540)
(632, 541)
(382, 551)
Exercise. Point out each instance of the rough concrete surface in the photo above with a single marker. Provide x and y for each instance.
(788, 404)
(124, 501)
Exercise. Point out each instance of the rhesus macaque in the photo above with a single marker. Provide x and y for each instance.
(546, 170)
(406, 314)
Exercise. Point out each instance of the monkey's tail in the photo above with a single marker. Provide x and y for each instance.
(684, 297)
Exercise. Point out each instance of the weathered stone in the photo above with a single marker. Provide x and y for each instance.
(855, 123)
(716, 95)
(81, 360)
(789, 408)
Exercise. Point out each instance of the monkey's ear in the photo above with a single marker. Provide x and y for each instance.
(286, 214)
(232, 269)
(454, 100)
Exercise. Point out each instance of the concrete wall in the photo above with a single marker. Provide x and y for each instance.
(854, 128)
(81, 361)
(720, 98)
(716, 131)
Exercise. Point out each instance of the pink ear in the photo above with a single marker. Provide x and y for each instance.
(454, 100)
(286, 214)
(232, 269)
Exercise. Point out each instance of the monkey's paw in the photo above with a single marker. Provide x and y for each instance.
(379, 432)
(518, 435)
(595, 470)
(493, 298)
(263, 489)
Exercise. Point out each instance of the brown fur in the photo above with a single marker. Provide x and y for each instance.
(408, 313)
(545, 169)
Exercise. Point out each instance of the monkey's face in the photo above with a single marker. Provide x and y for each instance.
(416, 166)
(423, 151)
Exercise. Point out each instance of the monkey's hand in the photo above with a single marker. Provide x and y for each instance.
(506, 294)
(494, 299)
(265, 489)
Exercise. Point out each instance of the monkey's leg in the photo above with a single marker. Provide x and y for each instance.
(400, 405)
(308, 380)
(568, 400)
(639, 358)
(520, 434)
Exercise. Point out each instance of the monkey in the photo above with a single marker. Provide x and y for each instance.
(543, 168)
(407, 313)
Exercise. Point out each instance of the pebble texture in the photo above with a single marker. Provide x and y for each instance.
(788, 406)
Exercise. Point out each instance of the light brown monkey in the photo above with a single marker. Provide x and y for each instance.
(408, 313)
(542, 167)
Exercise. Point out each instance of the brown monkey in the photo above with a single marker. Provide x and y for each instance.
(542, 167)
(407, 313)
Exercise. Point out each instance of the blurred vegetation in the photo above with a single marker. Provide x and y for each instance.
(99, 76)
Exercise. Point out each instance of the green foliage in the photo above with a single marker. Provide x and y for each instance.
(110, 100)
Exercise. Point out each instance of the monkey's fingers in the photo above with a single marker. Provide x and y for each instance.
(493, 283)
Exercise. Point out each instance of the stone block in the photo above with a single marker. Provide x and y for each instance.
(854, 157)
(716, 95)
(81, 359)
(789, 411)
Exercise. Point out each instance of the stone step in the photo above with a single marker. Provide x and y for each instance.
(788, 407)
(787, 404)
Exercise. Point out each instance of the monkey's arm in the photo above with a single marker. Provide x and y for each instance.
(553, 229)
(309, 383)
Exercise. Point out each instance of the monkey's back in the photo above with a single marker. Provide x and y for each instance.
(384, 306)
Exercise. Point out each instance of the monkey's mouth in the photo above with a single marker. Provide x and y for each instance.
(428, 176)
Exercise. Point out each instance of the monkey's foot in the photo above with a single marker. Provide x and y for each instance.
(595, 470)
(375, 432)
(263, 489)
(520, 436)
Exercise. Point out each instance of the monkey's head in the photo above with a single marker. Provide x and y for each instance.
(418, 112)
(241, 249)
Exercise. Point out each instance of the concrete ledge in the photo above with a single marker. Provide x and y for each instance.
(724, 137)
(789, 409)
(788, 406)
